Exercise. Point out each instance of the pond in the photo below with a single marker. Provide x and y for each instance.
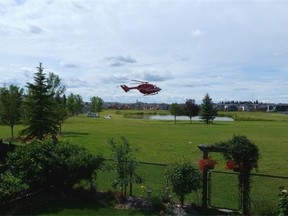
(171, 117)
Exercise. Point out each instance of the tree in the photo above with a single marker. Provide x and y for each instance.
(175, 110)
(96, 104)
(207, 112)
(125, 164)
(191, 109)
(10, 106)
(40, 113)
(184, 178)
(74, 104)
(58, 90)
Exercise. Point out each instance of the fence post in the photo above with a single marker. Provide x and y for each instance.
(130, 182)
(205, 184)
(205, 149)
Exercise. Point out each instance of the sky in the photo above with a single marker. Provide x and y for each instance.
(230, 49)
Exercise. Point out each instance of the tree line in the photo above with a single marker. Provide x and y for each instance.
(206, 110)
(42, 107)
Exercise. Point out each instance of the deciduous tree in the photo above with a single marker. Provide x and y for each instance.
(175, 110)
(10, 106)
(184, 178)
(125, 164)
(58, 90)
(74, 104)
(96, 104)
(191, 109)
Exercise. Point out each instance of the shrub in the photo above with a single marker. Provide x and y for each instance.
(10, 186)
(184, 178)
(46, 163)
(282, 202)
(125, 164)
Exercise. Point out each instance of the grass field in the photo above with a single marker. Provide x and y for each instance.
(166, 142)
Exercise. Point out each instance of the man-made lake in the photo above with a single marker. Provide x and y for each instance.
(171, 117)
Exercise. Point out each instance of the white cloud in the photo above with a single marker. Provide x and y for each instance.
(228, 49)
(196, 33)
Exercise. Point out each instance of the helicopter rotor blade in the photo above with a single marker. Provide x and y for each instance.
(138, 81)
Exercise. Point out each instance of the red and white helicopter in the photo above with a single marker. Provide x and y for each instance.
(144, 87)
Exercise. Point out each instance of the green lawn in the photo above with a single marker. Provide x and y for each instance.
(166, 142)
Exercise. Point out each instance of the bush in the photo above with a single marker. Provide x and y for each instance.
(184, 178)
(46, 163)
(10, 186)
(282, 202)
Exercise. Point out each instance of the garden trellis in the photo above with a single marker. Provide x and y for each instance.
(242, 156)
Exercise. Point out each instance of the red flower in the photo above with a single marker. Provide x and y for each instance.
(230, 165)
(205, 164)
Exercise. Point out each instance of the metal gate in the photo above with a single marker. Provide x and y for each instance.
(223, 190)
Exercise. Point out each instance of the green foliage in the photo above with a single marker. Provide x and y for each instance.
(175, 110)
(282, 205)
(96, 104)
(58, 90)
(10, 106)
(125, 163)
(242, 151)
(47, 163)
(207, 112)
(184, 178)
(191, 109)
(40, 112)
(10, 186)
(245, 154)
(74, 104)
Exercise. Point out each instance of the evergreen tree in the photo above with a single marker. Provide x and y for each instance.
(10, 106)
(207, 112)
(40, 112)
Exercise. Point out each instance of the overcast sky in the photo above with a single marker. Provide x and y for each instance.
(232, 50)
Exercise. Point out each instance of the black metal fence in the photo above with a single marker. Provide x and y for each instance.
(224, 191)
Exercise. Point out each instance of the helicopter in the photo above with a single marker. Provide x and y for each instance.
(144, 87)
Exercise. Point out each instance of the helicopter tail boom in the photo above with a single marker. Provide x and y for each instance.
(125, 88)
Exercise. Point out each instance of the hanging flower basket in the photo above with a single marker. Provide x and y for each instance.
(234, 166)
(207, 164)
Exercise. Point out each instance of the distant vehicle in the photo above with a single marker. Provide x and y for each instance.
(144, 87)
(108, 117)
